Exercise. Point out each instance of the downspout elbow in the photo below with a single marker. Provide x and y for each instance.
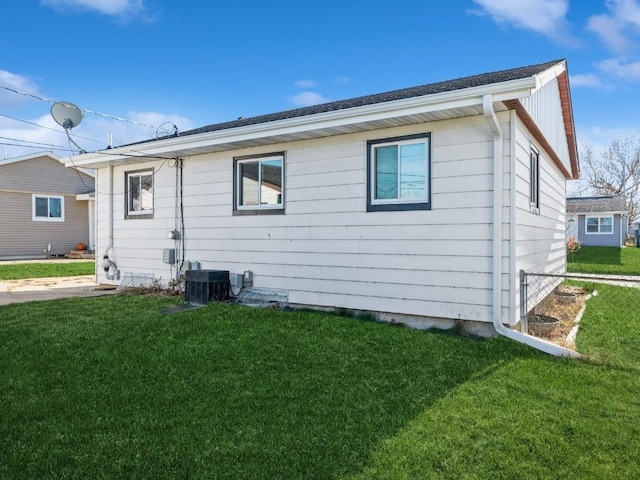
(537, 343)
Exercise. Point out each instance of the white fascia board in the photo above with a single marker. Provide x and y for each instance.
(514, 89)
(603, 214)
(551, 73)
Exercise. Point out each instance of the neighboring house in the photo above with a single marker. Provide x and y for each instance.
(47, 209)
(598, 220)
(385, 203)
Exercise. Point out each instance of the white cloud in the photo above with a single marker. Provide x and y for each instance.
(588, 80)
(615, 67)
(304, 99)
(107, 7)
(305, 84)
(15, 82)
(621, 22)
(546, 17)
(92, 134)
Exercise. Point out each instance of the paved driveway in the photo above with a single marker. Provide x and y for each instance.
(33, 289)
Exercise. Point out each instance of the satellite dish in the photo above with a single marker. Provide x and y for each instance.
(66, 114)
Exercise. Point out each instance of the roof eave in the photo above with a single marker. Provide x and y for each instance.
(166, 148)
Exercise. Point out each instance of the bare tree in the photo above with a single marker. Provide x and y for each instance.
(615, 171)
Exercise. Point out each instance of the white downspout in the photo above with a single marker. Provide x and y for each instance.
(110, 268)
(538, 343)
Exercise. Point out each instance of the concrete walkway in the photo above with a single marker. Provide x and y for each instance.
(37, 289)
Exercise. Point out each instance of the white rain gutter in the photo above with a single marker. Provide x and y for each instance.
(325, 121)
(537, 343)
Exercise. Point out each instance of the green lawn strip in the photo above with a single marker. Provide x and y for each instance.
(19, 271)
(530, 419)
(110, 388)
(605, 260)
(610, 328)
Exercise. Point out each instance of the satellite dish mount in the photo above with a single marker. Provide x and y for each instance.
(68, 116)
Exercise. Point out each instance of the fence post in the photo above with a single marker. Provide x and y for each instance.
(523, 302)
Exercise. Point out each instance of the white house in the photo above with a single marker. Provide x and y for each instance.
(385, 203)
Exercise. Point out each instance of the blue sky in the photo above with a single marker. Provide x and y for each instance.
(194, 63)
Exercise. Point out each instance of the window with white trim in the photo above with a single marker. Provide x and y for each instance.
(139, 194)
(259, 184)
(398, 172)
(534, 180)
(599, 225)
(47, 208)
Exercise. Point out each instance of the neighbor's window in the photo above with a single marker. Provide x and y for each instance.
(47, 208)
(600, 224)
(534, 179)
(398, 173)
(258, 184)
(139, 194)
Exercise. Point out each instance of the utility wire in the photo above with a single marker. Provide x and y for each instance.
(49, 128)
(105, 115)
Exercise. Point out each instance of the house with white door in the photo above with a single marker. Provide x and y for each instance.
(420, 205)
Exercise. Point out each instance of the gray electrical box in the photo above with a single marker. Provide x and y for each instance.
(169, 255)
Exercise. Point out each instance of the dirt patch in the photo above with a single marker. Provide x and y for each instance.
(567, 306)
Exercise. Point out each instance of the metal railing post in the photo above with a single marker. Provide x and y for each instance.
(523, 302)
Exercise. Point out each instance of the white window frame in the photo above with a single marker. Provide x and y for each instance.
(36, 218)
(417, 203)
(534, 179)
(263, 207)
(130, 213)
(599, 217)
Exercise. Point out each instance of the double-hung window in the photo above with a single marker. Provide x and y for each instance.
(259, 184)
(139, 194)
(398, 171)
(47, 208)
(534, 180)
(599, 225)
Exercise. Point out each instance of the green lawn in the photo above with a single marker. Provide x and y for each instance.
(605, 260)
(18, 271)
(111, 388)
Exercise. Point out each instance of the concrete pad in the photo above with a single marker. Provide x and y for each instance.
(38, 289)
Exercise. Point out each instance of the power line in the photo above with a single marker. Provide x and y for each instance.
(105, 115)
(32, 142)
(49, 128)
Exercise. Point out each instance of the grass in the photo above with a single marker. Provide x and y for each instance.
(19, 271)
(605, 260)
(110, 388)
(609, 330)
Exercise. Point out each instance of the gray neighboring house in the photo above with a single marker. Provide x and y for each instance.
(47, 208)
(600, 221)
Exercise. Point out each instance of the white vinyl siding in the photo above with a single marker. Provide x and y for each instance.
(328, 250)
(540, 246)
(545, 108)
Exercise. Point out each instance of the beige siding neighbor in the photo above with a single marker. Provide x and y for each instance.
(23, 236)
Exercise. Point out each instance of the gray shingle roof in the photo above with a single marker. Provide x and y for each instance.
(603, 204)
(429, 89)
